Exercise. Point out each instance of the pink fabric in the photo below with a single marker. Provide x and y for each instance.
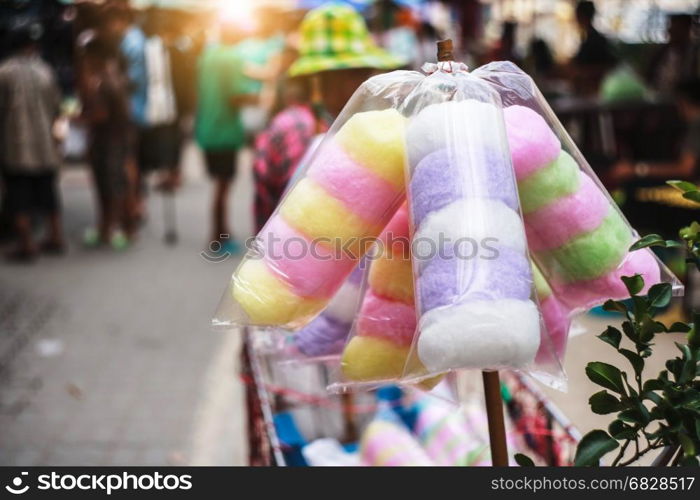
(359, 189)
(558, 222)
(591, 293)
(310, 269)
(387, 319)
(532, 143)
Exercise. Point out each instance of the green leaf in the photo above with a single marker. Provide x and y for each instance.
(615, 306)
(635, 416)
(683, 186)
(620, 430)
(630, 332)
(652, 396)
(606, 376)
(689, 461)
(634, 284)
(648, 329)
(653, 385)
(593, 446)
(523, 460)
(611, 336)
(687, 445)
(692, 196)
(641, 306)
(603, 403)
(650, 240)
(635, 360)
(679, 327)
(660, 294)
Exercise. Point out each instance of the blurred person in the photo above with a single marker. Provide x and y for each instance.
(105, 98)
(595, 55)
(280, 147)
(29, 157)
(218, 126)
(401, 40)
(261, 53)
(685, 167)
(159, 135)
(504, 49)
(676, 60)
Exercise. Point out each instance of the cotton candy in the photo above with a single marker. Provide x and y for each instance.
(311, 269)
(489, 223)
(323, 336)
(311, 210)
(564, 219)
(559, 178)
(453, 280)
(373, 358)
(375, 140)
(437, 126)
(361, 190)
(391, 277)
(387, 319)
(590, 255)
(479, 334)
(433, 185)
(255, 287)
(588, 293)
(532, 143)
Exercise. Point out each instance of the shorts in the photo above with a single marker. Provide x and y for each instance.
(27, 193)
(158, 147)
(221, 164)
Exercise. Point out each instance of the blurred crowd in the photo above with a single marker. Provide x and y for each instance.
(123, 90)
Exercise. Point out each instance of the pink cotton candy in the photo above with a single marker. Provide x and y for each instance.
(532, 143)
(556, 322)
(590, 293)
(310, 269)
(555, 224)
(358, 188)
(387, 319)
(395, 236)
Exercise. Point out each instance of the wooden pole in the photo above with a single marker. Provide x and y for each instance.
(494, 414)
(444, 50)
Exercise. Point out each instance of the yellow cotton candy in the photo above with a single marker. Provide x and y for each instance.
(311, 210)
(375, 139)
(392, 278)
(267, 300)
(370, 358)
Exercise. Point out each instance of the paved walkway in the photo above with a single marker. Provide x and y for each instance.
(107, 358)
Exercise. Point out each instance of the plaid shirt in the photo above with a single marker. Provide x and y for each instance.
(278, 150)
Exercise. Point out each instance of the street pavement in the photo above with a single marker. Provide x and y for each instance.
(107, 358)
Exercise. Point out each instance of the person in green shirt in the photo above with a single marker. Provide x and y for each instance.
(218, 127)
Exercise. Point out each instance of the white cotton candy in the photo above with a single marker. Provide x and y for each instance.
(439, 125)
(343, 305)
(480, 334)
(489, 223)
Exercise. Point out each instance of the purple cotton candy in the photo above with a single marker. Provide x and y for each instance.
(450, 280)
(323, 336)
(445, 176)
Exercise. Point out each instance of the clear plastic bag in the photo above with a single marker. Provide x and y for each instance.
(330, 217)
(577, 235)
(475, 297)
(383, 332)
(327, 333)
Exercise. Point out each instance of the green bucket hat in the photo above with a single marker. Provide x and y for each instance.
(334, 36)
